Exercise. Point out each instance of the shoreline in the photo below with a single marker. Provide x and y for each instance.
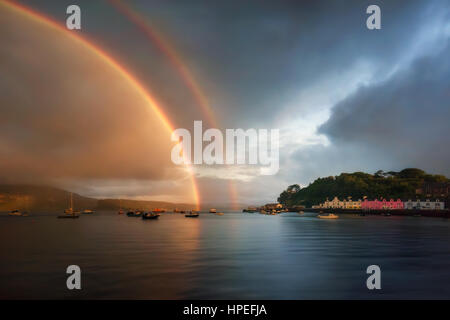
(394, 212)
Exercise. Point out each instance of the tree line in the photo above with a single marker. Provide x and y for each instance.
(392, 184)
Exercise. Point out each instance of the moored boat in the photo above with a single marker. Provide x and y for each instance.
(120, 207)
(87, 211)
(16, 213)
(328, 216)
(192, 214)
(150, 215)
(219, 213)
(212, 210)
(135, 213)
(70, 213)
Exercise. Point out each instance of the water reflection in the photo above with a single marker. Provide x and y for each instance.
(235, 256)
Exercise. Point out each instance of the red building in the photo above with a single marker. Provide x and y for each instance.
(382, 204)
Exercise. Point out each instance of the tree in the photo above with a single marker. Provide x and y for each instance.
(391, 185)
(293, 188)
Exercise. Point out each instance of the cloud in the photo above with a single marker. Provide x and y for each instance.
(288, 65)
(404, 118)
(67, 114)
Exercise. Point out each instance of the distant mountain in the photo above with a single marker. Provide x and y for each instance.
(114, 204)
(27, 197)
(42, 198)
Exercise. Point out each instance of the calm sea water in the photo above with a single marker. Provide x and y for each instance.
(235, 256)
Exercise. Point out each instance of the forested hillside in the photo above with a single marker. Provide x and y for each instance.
(391, 184)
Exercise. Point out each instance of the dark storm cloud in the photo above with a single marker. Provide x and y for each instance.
(253, 56)
(250, 57)
(405, 118)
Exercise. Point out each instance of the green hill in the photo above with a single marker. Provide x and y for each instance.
(28, 197)
(404, 184)
(41, 198)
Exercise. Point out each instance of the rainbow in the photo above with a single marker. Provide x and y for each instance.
(153, 105)
(164, 46)
(175, 59)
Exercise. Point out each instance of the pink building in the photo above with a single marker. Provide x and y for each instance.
(382, 204)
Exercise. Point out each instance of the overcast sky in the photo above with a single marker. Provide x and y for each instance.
(345, 98)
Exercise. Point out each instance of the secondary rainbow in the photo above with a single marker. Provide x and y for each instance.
(175, 59)
(41, 18)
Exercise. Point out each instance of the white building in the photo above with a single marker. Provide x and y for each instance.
(340, 204)
(424, 205)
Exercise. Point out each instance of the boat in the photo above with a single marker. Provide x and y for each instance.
(328, 216)
(212, 210)
(387, 214)
(219, 213)
(301, 212)
(150, 215)
(70, 213)
(192, 214)
(135, 213)
(87, 211)
(157, 210)
(120, 207)
(15, 213)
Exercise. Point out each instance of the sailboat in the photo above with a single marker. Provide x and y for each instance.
(69, 213)
(120, 207)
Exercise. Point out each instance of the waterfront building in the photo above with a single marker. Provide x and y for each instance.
(382, 204)
(333, 204)
(350, 204)
(340, 204)
(273, 206)
(424, 204)
(434, 189)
